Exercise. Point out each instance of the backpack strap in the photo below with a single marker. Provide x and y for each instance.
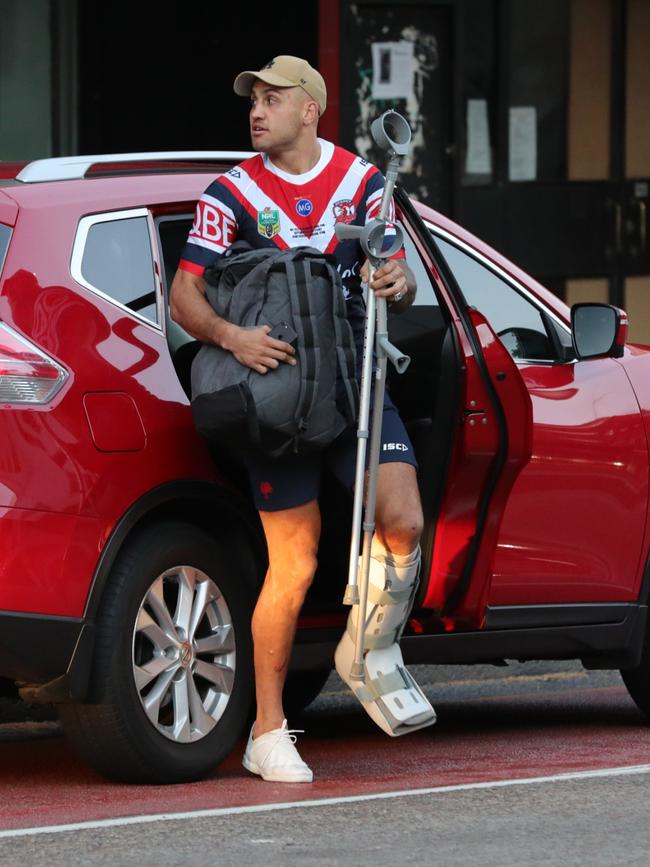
(298, 271)
(345, 348)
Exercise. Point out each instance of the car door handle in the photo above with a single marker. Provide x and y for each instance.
(473, 415)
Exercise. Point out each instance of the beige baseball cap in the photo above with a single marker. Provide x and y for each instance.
(286, 71)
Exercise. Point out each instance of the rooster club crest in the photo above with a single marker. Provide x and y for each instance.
(268, 223)
(344, 211)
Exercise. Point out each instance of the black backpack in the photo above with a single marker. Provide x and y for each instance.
(302, 407)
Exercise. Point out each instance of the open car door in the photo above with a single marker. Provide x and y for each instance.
(492, 444)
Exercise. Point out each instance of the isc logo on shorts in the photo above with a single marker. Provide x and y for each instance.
(395, 447)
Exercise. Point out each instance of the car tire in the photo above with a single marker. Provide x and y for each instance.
(301, 689)
(637, 680)
(167, 710)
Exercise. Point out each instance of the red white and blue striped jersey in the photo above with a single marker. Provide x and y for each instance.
(257, 202)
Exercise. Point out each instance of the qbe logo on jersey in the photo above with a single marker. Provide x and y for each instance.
(304, 207)
(268, 223)
(214, 226)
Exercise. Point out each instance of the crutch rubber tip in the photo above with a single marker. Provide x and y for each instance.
(351, 596)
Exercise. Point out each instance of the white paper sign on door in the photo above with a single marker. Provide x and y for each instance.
(393, 69)
(522, 163)
(477, 161)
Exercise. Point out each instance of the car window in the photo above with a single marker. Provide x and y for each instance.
(173, 232)
(117, 260)
(425, 296)
(514, 319)
(5, 235)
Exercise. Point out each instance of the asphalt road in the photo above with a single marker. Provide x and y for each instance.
(587, 822)
(541, 763)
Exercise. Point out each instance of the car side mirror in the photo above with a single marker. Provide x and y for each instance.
(598, 330)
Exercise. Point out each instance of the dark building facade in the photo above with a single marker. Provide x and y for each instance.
(531, 120)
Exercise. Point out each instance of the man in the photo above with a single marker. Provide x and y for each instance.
(292, 194)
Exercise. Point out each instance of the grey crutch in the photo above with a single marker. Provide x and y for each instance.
(379, 586)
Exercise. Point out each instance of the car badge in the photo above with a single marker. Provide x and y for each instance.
(268, 223)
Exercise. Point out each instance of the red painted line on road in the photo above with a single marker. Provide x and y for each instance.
(488, 740)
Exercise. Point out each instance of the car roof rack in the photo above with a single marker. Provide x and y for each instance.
(68, 168)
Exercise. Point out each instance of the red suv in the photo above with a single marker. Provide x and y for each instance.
(130, 554)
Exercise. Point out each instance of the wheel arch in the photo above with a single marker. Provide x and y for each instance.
(220, 512)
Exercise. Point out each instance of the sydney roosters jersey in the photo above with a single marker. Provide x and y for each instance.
(259, 203)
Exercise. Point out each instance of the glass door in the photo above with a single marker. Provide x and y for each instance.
(635, 257)
(555, 161)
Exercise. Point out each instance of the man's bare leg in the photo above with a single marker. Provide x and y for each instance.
(398, 518)
(292, 539)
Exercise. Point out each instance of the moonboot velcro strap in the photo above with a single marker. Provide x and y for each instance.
(374, 642)
(381, 685)
(388, 597)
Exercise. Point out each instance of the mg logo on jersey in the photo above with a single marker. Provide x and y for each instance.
(344, 211)
(304, 207)
(268, 223)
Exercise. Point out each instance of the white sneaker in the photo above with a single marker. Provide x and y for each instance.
(274, 757)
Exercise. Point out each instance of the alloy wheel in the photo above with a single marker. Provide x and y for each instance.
(184, 654)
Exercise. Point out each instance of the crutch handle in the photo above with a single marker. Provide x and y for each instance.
(396, 357)
(346, 232)
(372, 237)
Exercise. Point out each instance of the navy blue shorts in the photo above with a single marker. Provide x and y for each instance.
(292, 480)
